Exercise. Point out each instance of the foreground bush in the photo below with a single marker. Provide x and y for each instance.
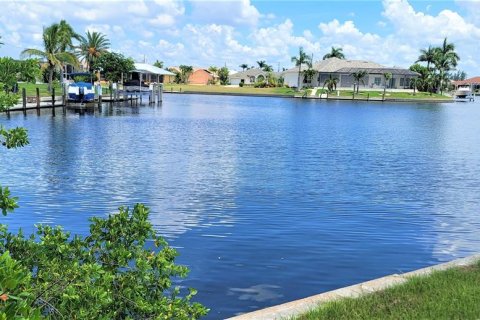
(121, 270)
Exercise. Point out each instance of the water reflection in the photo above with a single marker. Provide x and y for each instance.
(267, 199)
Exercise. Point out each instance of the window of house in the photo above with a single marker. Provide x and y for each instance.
(378, 81)
(402, 82)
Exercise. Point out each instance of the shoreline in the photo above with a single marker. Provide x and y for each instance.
(58, 99)
(301, 306)
(335, 98)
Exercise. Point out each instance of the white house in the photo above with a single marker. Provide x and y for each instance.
(250, 76)
(343, 69)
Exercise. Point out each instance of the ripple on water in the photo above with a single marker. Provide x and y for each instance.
(267, 200)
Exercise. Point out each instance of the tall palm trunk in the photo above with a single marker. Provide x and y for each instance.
(299, 72)
(50, 79)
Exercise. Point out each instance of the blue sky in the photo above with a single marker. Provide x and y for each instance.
(205, 33)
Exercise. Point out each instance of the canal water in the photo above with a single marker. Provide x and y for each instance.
(266, 199)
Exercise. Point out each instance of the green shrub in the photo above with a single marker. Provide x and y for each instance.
(121, 270)
(259, 84)
(16, 296)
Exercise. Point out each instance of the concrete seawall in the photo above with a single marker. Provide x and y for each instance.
(297, 307)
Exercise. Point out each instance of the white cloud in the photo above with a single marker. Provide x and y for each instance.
(418, 30)
(240, 12)
(173, 7)
(422, 26)
(163, 20)
(214, 32)
(472, 10)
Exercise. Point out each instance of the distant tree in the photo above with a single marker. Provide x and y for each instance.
(261, 64)
(267, 68)
(178, 78)
(8, 73)
(158, 64)
(1, 43)
(445, 60)
(244, 66)
(185, 72)
(458, 76)
(91, 47)
(331, 83)
(335, 53)
(301, 59)
(66, 35)
(57, 40)
(213, 70)
(113, 66)
(386, 77)
(422, 79)
(414, 84)
(309, 73)
(427, 55)
(223, 74)
(13, 71)
(359, 76)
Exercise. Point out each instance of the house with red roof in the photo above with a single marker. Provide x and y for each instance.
(473, 83)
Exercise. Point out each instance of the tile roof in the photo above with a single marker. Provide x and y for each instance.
(335, 64)
(252, 73)
(475, 80)
(394, 71)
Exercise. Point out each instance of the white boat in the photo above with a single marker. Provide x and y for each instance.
(464, 94)
(81, 92)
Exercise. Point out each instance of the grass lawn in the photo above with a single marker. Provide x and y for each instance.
(31, 89)
(235, 90)
(450, 294)
(391, 95)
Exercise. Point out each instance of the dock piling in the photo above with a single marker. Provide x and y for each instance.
(160, 93)
(24, 101)
(53, 102)
(38, 100)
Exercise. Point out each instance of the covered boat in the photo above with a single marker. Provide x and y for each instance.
(464, 94)
(81, 92)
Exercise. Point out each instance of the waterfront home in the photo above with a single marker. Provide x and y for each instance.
(144, 72)
(250, 76)
(199, 76)
(472, 83)
(343, 69)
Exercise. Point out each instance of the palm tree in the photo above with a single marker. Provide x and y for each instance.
(335, 53)
(445, 59)
(359, 76)
(158, 64)
(331, 83)
(244, 66)
(213, 70)
(302, 58)
(185, 72)
(386, 77)
(427, 55)
(309, 73)
(65, 36)
(268, 68)
(55, 44)
(414, 83)
(261, 64)
(92, 47)
(448, 50)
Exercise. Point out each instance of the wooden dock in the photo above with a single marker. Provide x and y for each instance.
(52, 102)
